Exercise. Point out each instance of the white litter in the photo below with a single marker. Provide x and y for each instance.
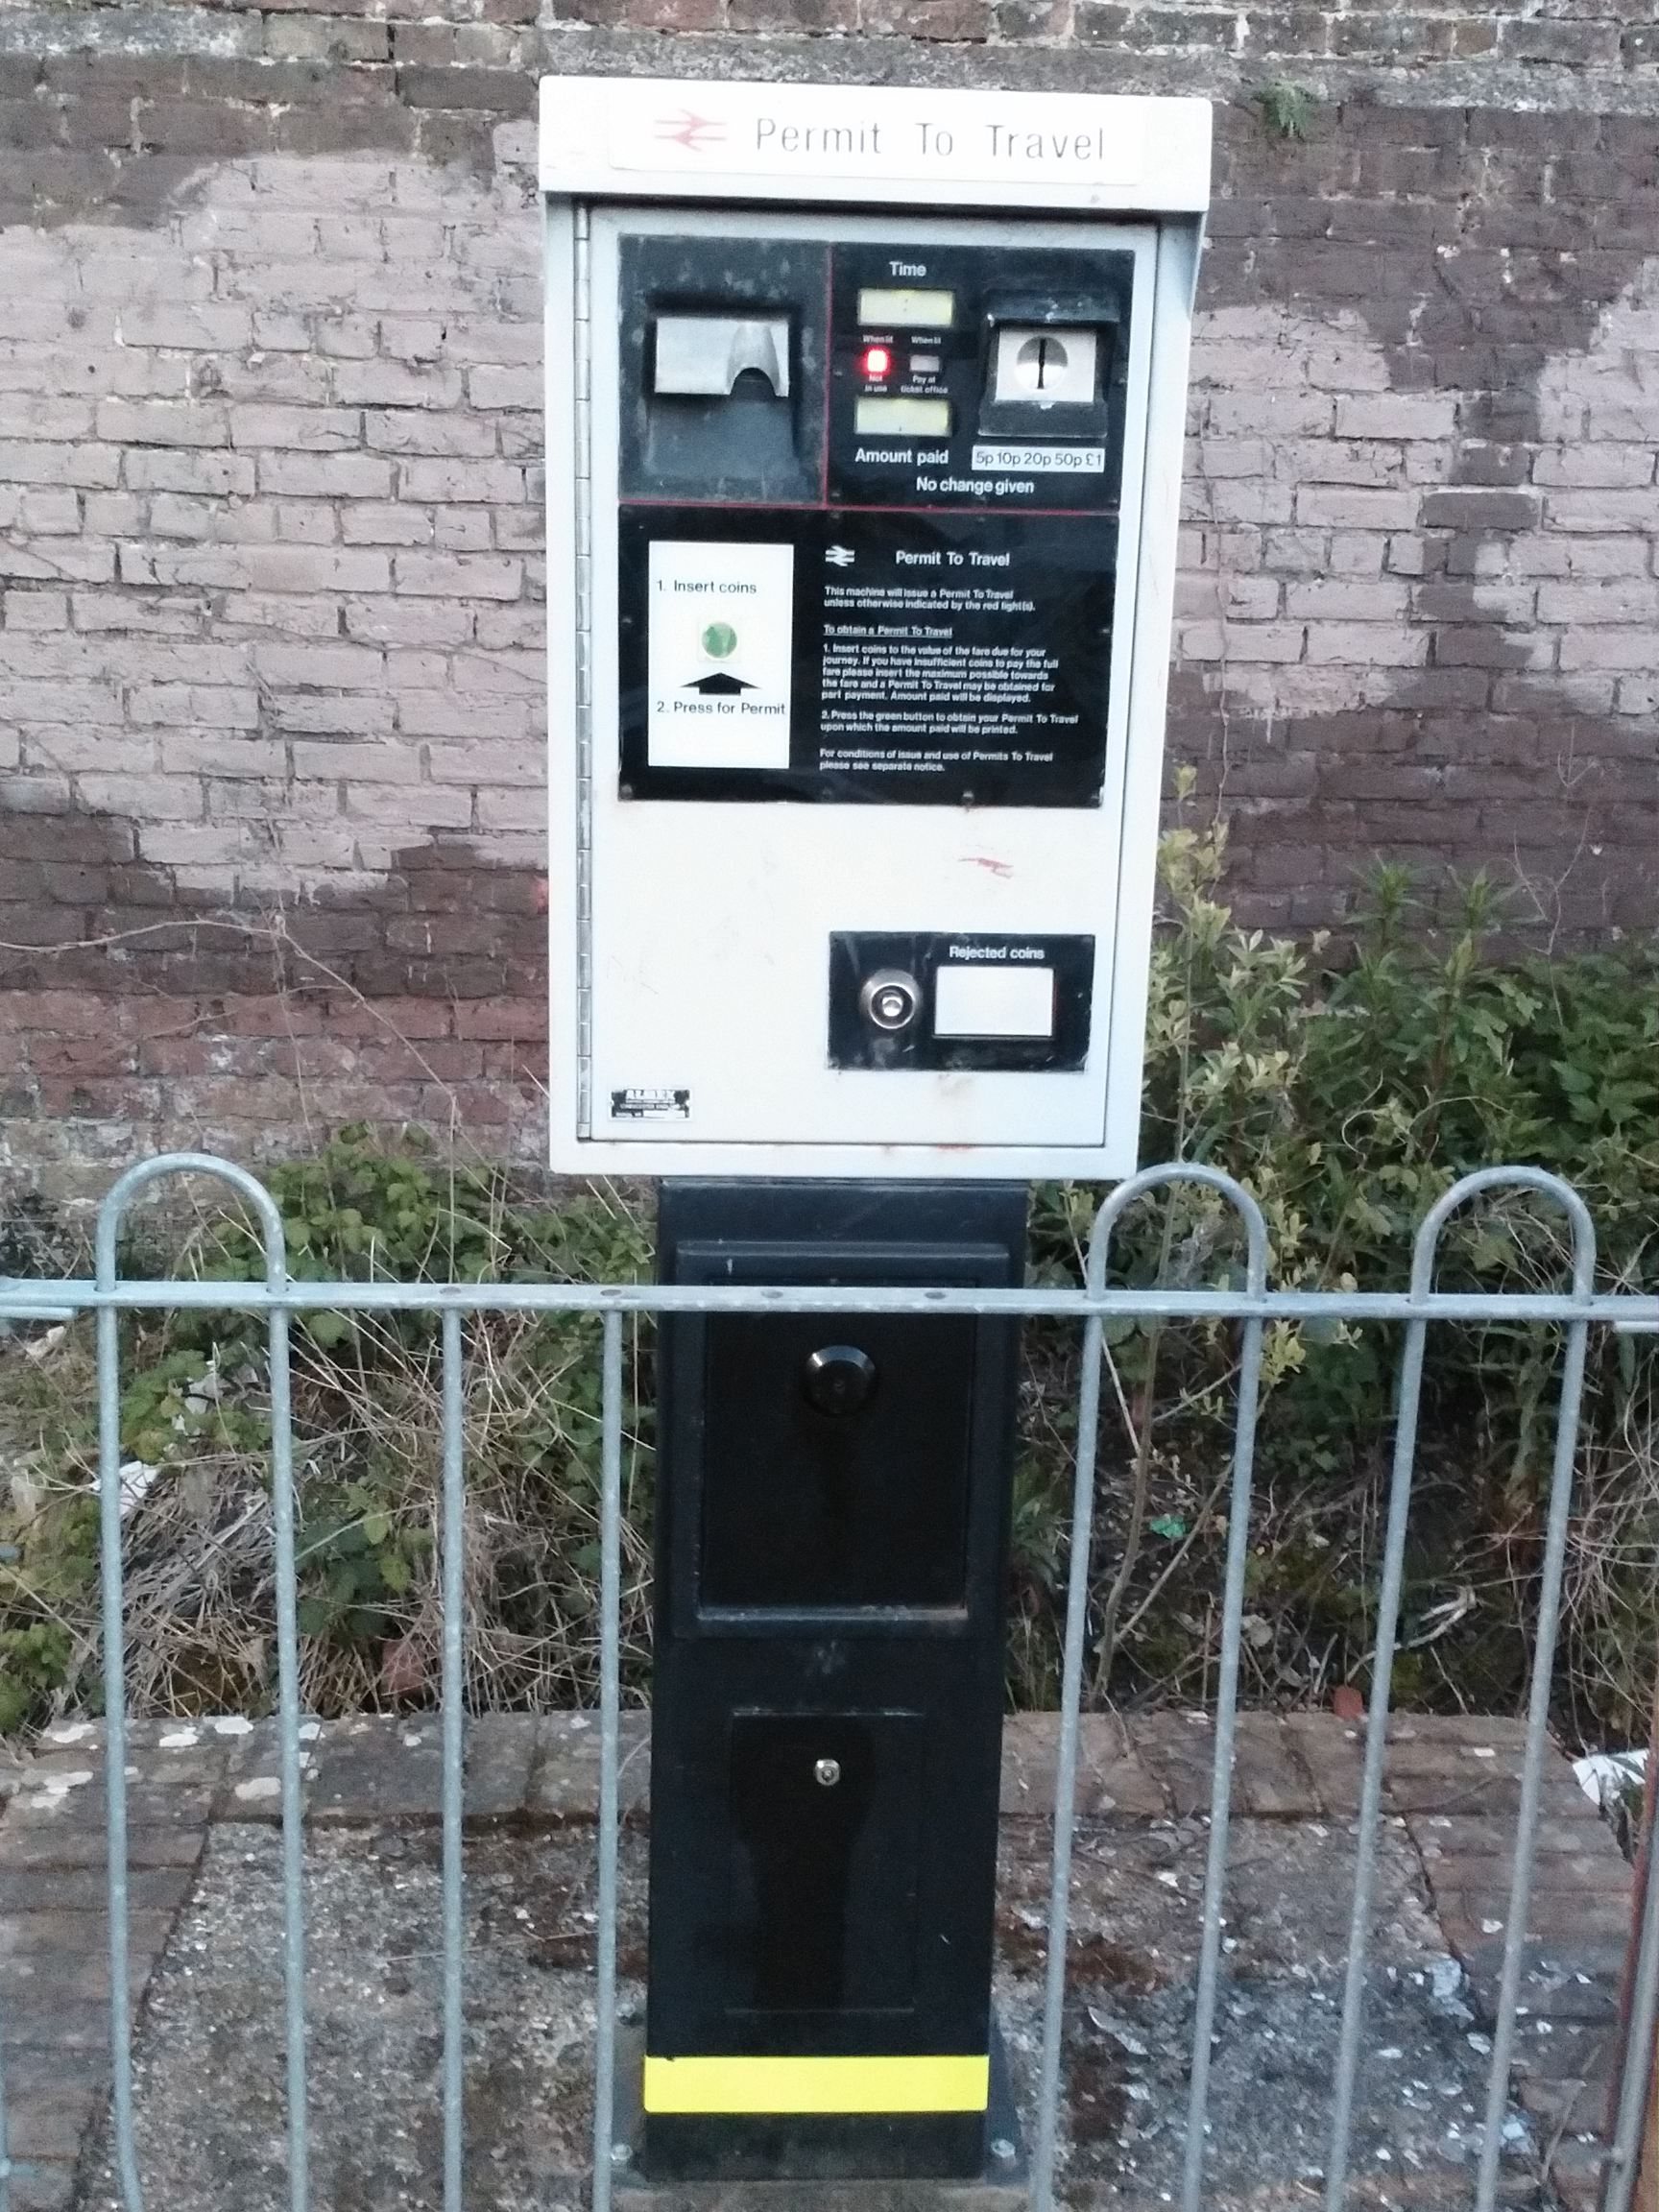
(137, 1477)
(1607, 1777)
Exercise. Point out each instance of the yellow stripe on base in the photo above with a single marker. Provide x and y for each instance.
(916, 2083)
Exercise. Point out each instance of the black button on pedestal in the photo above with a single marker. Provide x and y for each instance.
(838, 1379)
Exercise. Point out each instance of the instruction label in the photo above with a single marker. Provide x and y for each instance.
(919, 658)
(721, 658)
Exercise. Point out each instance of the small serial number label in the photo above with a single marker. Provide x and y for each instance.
(642, 1102)
(1042, 460)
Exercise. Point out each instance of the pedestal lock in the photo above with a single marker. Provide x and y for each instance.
(839, 1378)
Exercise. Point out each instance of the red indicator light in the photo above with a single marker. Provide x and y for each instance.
(877, 361)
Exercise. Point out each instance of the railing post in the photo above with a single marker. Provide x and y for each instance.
(110, 1216)
(1071, 1674)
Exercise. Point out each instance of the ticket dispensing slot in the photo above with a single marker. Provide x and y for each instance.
(717, 395)
(703, 356)
(722, 383)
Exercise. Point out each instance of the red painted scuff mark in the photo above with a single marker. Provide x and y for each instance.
(988, 860)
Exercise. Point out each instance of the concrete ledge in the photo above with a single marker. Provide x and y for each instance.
(372, 1786)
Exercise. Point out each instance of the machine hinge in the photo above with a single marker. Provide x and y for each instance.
(582, 338)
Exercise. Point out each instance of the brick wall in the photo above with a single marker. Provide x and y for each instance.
(271, 738)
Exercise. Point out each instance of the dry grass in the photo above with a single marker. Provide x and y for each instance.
(200, 1583)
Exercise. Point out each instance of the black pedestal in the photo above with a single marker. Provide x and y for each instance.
(832, 1533)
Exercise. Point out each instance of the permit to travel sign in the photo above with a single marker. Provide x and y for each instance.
(854, 141)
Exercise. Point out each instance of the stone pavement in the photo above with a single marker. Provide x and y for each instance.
(205, 1959)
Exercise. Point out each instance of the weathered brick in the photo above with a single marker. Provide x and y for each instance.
(421, 806)
(308, 429)
(332, 713)
(516, 386)
(332, 475)
(458, 575)
(191, 470)
(499, 91)
(462, 529)
(160, 422)
(31, 415)
(1396, 414)
(25, 462)
(1596, 463)
(1622, 599)
(172, 515)
(1527, 40)
(194, 705)
(1600, 511)
(1603, 650)
(195, 753)
(1271, 413)
(44, 510)
(312, 568)
(379, 382)
(389, 524)
(416, 430)
(1356, 508)
(365, 127)
(434, 479)
(501, 809)
(401, 622)
(1366, 645)
(334, 38)
(347, 762)
(1381, 601)
(1478, 509)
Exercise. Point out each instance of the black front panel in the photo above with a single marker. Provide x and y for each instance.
(946, 659)
(825, 1822)
(751, 445)
(1003, 450)
(810, 1502)
(912, 460)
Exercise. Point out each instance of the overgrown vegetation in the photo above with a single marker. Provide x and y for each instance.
(195, 1436)
(1286, 108)
(1345, 1092)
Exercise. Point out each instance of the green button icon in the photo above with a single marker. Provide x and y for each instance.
(720, 639)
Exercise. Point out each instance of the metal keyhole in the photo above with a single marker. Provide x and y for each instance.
(827, 1773)
(838, 1379)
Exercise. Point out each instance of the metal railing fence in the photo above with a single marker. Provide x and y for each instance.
(1252, 1306)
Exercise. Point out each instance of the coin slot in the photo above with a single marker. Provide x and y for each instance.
(1036, 366)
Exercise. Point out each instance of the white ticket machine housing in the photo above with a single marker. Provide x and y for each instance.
(864, 429)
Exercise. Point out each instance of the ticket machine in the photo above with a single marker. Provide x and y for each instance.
(864, 429)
